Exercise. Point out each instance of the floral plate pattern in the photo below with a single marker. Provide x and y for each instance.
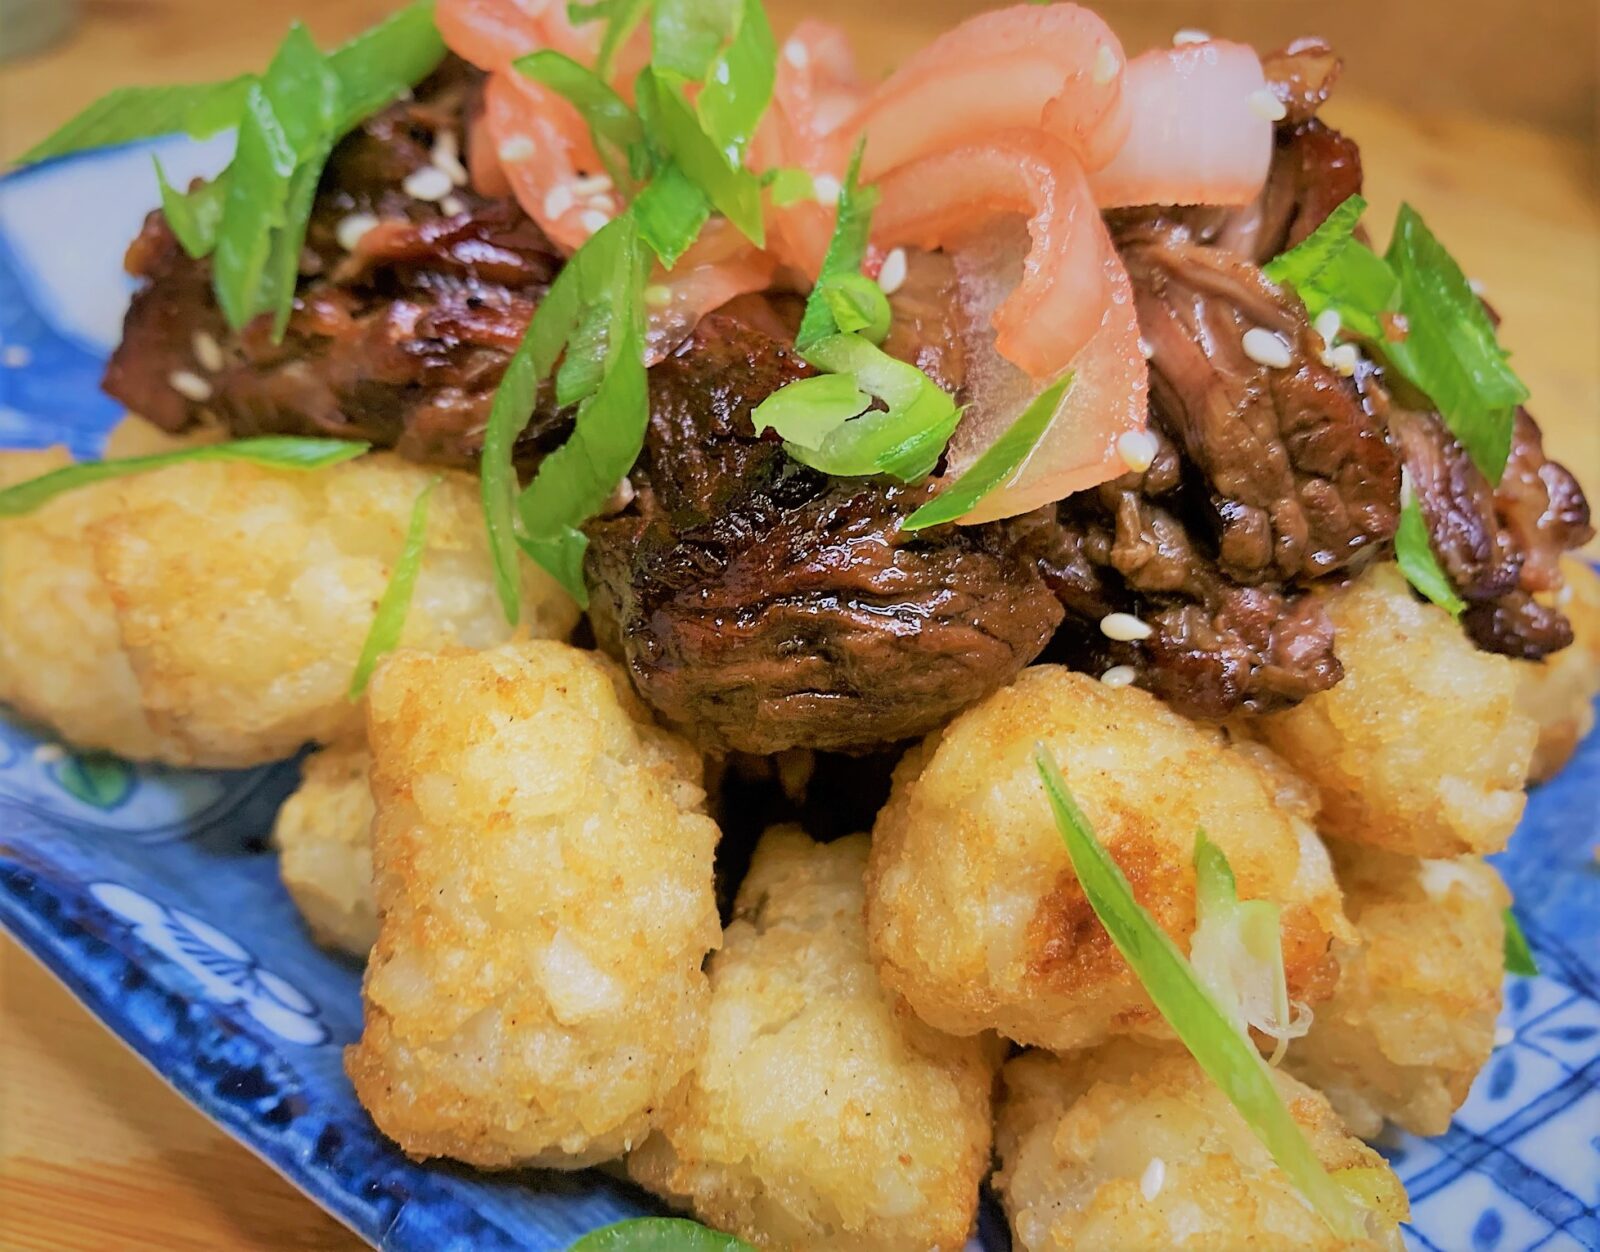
(153, 895)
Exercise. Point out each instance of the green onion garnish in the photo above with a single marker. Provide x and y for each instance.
(1447, 348)
(390, 620)
(659, 1234)
(1220, 1048)
(1519, 956)
(858, 305)
(283, 452)
(998, 464)
(129, 113)
(615, 128)
(1413, 552)
(847, 249)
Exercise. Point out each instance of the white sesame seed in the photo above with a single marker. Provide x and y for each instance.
(49, 753)
(16, 356)
(1264, 104)
(1153, 1178)
(1138, 449)
(427, 183)
(189, 385)
(559, 200)
(1327, 325)
(1107, 65)
(826, 187)
(453, 205)
(658, 295)
(593, 219)
(1503, 1036)
(591, 185)
(1345, 358)
(517, 148)
(1188, 36)
(1124, 627)
(446, 157)
(1265, 348)
(794, 52)
(893, 274)
(208, 352)
(1119, 676)
(353, 229)
(1145, 350)
(1475, 286)
(620, 498)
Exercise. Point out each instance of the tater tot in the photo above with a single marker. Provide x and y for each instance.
(973, 912)
(1135, 1149)
(1558, 692)
(1413, 1018)
(244, 594)
(324, 838)
(61, 659)
(543, 869)
(1421, 748)
(822, 1115)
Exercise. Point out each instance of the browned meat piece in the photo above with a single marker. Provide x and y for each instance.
(1298, 477)
(1302, 75)
(401, 341)
(762, 606)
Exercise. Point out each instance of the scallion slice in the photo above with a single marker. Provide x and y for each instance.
(659, 1234)
(1518, 955)
(390, 620)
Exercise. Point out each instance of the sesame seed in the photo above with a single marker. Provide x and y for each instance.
(208, 352)
(16, 356)
(1265, 348)
(1154, 1176)
(1475, 286)
(1145, 350)
(49, 753)
(1345, 358)
(1503, 1036)
(1264, 104)
(591, 185)
(1188, 36)
(428, 183)
(1138, 449)
(794, 52)
(1119, 676)
(1106, 65)
(893, 274)
(593, 219)
(1327, 325)
(189, 385)
(658, 295)
(353, 229)
(827, 188)
(446, 157)
(1125, 627)
(517, 148)
(620, 498)
(559, 201)
(453, 205)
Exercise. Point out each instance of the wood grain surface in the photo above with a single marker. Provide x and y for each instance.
(96, 1153)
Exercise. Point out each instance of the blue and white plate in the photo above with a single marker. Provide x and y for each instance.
(152, 894)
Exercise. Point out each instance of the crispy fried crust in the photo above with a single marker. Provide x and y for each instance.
(1077, 1138)
(324, 838)
(1558, 692)
(1412, 1021)
(543, 876)
(1421, 749)
(823, 1115)
(973, 912)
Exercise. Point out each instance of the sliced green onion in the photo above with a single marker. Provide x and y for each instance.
(858, 306)
(1304, 262)
(847, 249)
(670, 212)
(673, 124)
(614, 126)
(808, 410)
(390, 620)
(659, 1234)
(194, 216)
(786, 185)
(1182, 999)
(998, 464)
(1413, 552)
(622, 18)
(738, 83)
(284, 452)
(130, 113)
(1518, 955)
(687, 35)
(385, 60)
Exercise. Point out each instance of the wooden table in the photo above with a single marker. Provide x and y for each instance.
(95, 1152)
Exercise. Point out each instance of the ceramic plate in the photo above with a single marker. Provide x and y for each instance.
(153, 895)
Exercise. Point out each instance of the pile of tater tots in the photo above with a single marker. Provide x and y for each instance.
(872, 1029)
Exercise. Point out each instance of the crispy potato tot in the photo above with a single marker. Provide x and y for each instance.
(543, 876)
(244, 595)
(822, 1115)
(1421, 748)
(324, 838)
(1413, 1019)
(1558, 692)
(973, 912)
(61, 659)
(137, 436)
(1134, 1149)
